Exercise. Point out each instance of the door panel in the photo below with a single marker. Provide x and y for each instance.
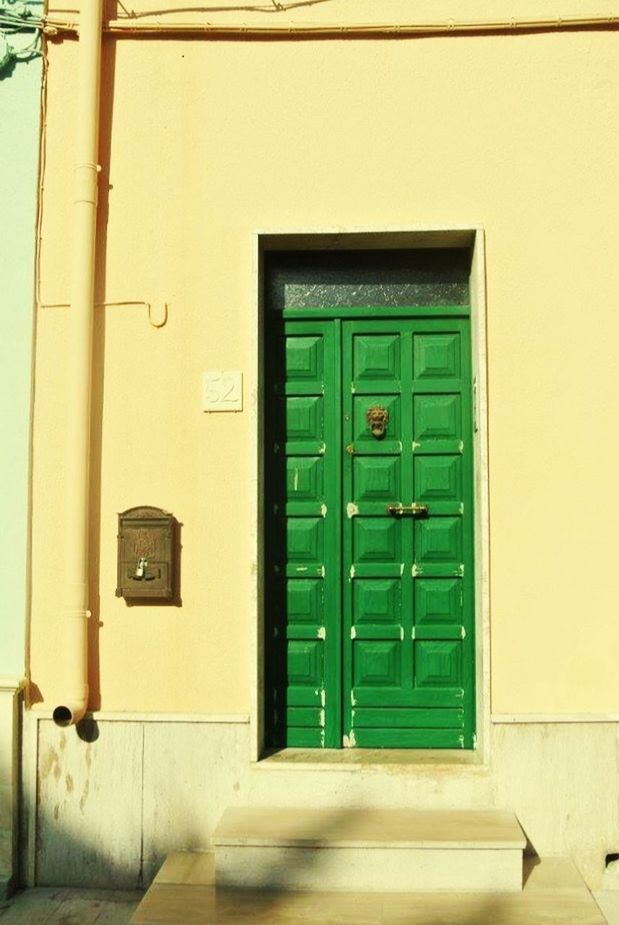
(404, 629)
(370, 612)
(302, 538)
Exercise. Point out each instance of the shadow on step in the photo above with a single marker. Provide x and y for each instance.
(231, 907)
(275, 899)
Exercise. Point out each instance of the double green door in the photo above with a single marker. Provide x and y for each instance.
(369, 534)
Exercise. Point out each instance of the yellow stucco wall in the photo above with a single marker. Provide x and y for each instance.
(205, 142)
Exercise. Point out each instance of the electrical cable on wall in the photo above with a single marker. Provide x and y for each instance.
(138, 24)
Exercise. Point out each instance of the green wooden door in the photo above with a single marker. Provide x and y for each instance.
(369, 540)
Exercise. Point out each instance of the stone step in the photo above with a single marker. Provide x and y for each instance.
(184, 893)
(369, 849)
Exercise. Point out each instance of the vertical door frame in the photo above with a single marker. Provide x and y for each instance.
(364, 239)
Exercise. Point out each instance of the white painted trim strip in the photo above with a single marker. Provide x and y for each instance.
(112, 717)
(12, 684)
(499, 718)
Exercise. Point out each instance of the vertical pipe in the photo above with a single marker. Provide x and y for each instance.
(75, 598)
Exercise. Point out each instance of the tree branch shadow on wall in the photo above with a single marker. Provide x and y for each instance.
(117, 9)
(82, 841)
(283, 903)
(54, 837)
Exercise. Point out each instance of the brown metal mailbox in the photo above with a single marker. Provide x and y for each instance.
(147, 555)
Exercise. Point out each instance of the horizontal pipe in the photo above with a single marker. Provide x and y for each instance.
(135, 26)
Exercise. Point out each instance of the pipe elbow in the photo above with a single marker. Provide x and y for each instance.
(69, 713)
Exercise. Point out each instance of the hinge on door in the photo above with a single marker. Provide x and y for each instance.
(350, 448)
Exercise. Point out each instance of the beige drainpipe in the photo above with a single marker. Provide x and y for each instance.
(79, 358)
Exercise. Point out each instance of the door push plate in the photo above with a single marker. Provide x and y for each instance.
(408, 510)
(147, 556)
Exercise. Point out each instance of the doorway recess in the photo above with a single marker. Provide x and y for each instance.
(368, 548)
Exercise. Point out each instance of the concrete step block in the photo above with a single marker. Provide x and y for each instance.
(369, 850)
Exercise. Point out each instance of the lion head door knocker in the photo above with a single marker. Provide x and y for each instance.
(377, 418)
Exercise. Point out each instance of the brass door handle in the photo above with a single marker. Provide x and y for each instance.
(408, 510)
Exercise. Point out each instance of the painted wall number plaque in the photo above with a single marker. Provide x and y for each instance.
(222, 391)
